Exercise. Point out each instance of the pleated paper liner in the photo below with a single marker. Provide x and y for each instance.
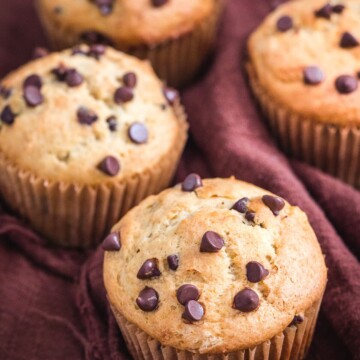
(78, 215)
(291, 344)
(176, 60)
(334, 149)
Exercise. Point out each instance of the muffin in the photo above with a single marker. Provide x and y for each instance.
(304, 68)
(85, 134)
(214, 269)
(175, 35)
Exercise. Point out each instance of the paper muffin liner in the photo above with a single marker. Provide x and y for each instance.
(176, 60)
(333, 148)
(75, 215)
(291, 344)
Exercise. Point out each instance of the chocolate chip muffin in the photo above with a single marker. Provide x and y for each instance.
(85, 134)
(304, 68)
(176, 37)
(215, 268)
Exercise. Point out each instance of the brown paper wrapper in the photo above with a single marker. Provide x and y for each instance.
(176, 60)
(332, 148)
(74, 215)
(291, 344)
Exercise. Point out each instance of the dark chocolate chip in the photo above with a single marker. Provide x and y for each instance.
(105, 6)
(112, 242)
(324, 12)
(148, 299)
(255, 272)
(33, 80)
(348, 41)
(40, 52)
(130, 79)
(7, 116)
(173, 262)
(86, 116)
(191, 182)
(313, 75)
(60, 72)
(73, 78)
(241, 205)
(5, 92)
(346, 84)
(171, 95)
(246, 300)
(274, 203)
(285, 23)
(138, 133)
(149, 269)
(250, 216)
(298, 319)
(33, 96)
(193, 311)
(93, 37)
(158, 3)
(338, 9)
(211, 242)
(112, 123)
(96, 51)
(123, 94)
(109, 166)
(187, 292)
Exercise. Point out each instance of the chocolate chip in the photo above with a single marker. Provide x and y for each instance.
(191, 182)
(7, 116)
(105, 6)
(40, 52)
(346, 84)
(338, 9)
(211, 242)
(158, 3)
(149, 269)
(246, 300)
(33, 80)
(5, 92)
(123, 94)
(274, 203)
(255, 272)
(173, 262)
(298, 319)
(187, 292)
(86, 116)
(193, 311)
(112, 123)
(96, 51)
(93, 37)
(241, 205)
(148, 299)
(324, 12)
(109, 166)
(112, 242)
(73, 78)
(250, 216)
(130, 79)
(313, 75)
(285, 23)
(33, 96)
(60, 72)
(138, 133)
(348, 41)
(171, 95)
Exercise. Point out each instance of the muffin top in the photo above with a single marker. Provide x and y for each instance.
(87, 115)
(209, 259)
(306, 56)
(129, 22)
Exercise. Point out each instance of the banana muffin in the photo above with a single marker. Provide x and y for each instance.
(175, 35)
(215, 268)
(85, 134)
(304, 68)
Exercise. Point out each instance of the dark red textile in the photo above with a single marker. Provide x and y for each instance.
(52, 301)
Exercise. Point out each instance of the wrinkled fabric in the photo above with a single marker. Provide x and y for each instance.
(53, 302)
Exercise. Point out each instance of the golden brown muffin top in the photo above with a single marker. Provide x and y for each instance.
(87, 115)
(306, 56)
(129, 22)
(249, 261)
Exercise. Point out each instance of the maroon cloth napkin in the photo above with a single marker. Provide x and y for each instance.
(52, 301)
